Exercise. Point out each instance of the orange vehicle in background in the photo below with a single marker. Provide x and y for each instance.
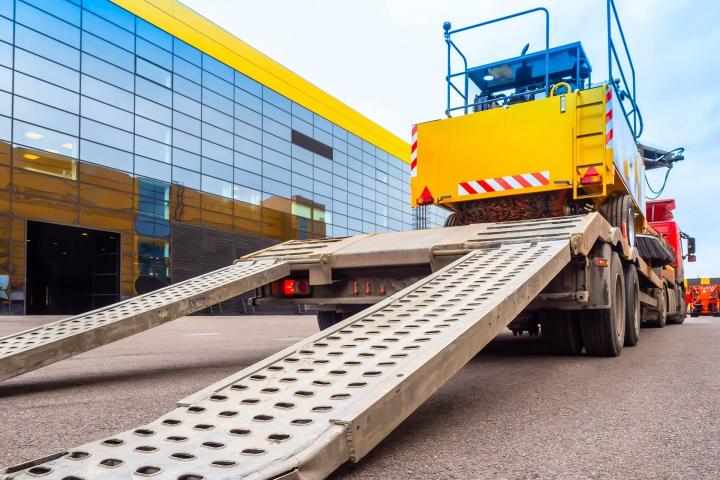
(704, 299)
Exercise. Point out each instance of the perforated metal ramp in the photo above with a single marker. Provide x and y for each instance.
(332, 397)
(37, 347)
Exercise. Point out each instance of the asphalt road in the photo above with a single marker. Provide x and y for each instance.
(512, 412)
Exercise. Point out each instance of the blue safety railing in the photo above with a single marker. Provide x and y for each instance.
(626, 91)
(633, 117)
(465, 73)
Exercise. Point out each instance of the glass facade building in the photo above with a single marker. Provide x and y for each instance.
(108, 122)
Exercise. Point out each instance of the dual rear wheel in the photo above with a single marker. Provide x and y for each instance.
(601, 332)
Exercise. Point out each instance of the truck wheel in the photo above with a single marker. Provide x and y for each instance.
(619, 211)
(561, 332)
(658, 318)
(603, 331)
(682, 310)
(632, 305)
(328, 318)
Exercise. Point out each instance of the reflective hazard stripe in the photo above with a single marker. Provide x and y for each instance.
(500, 184)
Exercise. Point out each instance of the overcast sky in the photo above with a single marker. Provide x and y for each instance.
(386, 59)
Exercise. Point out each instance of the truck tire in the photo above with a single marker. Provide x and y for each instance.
(618, 210)
(633, 315)
(561, 332)
(603, 331)
(658, 317)
(328, 318)
(681, 310)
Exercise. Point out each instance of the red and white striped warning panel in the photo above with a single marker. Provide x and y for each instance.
(413, 152)
(500, 184)
(608, 117)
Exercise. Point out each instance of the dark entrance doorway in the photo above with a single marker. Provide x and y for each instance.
(70, 270)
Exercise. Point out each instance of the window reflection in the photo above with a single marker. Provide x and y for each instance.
(44, 139)
(45, 162)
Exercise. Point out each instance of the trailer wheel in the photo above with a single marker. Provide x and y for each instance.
(681, 310)
(658, 318)
(561, 332)
(603, 331)
(619, 211)
(632, 305)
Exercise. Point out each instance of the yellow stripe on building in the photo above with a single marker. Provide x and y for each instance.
(192, 28)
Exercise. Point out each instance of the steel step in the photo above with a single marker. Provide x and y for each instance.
(333, 396)
(26, 351)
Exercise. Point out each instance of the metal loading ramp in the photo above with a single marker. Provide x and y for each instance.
(31, 349)
(332, 397)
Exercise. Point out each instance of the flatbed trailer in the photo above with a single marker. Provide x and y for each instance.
(331, 397)
(402, 312)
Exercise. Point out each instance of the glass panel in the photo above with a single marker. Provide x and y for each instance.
(7, 9)
(5, 79)
(49, 71)
(248, 84)
(152, 169)
(153, 130)
(191, 54)
(154, 34)
(112, 12)
(248, 131)
(107, 51)
(154, 150)
(40, 114)
(218, 68)
(217, 152)
(6, 54)
(276, 99)
(5, 103)
(48, 24)
(248, 116)
(247, 195)
(153, 72)
(186, 106)
(185, 141)
(248, 147)
(243, 177)
(187, 70)
(152, 110)
(218, 136)
(277, 129)
(153, 91)
(217, 84)
(153, 264)
(46, 93)
(272, 187)
(276, 173)
(108, 31)
(188, 88)
(302, 113)
(186, 159)
(45, 162)
(276, 114)
(107, 135)
(102, 155)
(216, 169)
(153, 53)
(187, 124)
(107, 93)
(247, 99)
(216, 118)
(105, 113)
(42, 138)
(216, 101)
(186, 178)
(247, 163)
(217, 186)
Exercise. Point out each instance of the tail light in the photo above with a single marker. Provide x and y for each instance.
(290, 287)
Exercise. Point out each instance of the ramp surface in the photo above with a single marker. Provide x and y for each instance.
(332, 397)
(37, 347)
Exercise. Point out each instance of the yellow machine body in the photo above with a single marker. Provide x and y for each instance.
(575, 142)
